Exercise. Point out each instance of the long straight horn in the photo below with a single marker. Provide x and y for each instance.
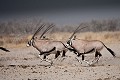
(48, 28)
(43, 25)
(76, 31)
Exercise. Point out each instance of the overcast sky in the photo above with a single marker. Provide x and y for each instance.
(60, 11)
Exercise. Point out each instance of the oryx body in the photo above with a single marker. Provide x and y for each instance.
(84, 46)
(47, 47)
(81, 47)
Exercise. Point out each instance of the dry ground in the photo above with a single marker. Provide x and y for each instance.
(24, 64)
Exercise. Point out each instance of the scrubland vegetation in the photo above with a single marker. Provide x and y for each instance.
(18, 32)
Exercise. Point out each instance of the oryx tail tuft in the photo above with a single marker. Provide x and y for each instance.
(111, 52)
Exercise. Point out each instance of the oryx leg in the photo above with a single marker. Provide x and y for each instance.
(49, 61)
(44, 57)
(97, 57)
(79, 54)
(83, 59)
(46, 53)
(63, 54)
(57, 54)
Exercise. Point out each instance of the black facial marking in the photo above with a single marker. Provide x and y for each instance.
(29, 43)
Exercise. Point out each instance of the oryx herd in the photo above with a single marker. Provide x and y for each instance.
(78, 46)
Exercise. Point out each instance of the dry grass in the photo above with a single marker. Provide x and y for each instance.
(13, 41)
(107, 37)
(20, 41)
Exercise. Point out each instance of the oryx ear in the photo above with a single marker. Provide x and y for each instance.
(34, 39)
(74, 37)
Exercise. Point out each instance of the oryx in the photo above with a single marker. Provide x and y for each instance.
(81, 47)
(4, 49)
(47, 47)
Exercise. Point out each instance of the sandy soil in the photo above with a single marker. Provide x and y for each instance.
(24, 64)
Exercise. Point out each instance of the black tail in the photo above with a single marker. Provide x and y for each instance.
(112, 52)
(4, 49)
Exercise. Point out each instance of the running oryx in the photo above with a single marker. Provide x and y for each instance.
(81, 47)
(47, 47)
(4, 49)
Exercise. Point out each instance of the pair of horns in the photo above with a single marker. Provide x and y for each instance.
(40, 28)
(76, 30)
(48, 28)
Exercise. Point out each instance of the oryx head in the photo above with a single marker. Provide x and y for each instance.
(72, 37)
(69, 42)
(30, 43)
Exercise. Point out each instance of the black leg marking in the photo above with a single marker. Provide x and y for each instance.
(98, 54)
(56, 55)
(63, 55)
(44, 57)
(79, 54)
(83, 57)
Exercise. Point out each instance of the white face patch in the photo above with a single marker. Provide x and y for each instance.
(27, 45)
(70, 43)
(69, 46)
